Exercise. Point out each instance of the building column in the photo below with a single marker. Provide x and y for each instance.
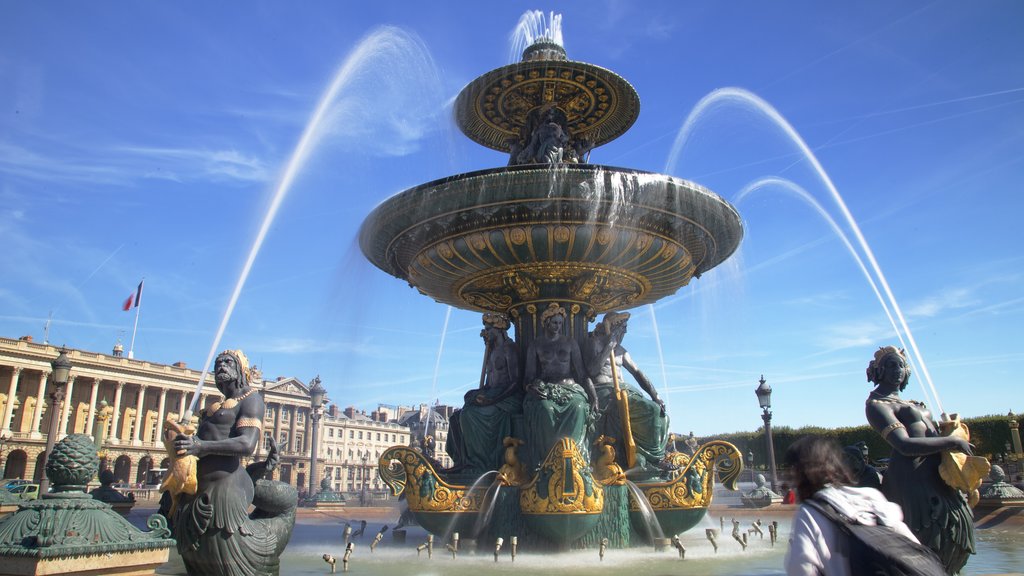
(37, 416)
(140, 399)
(116, 419)
(12, 392)
(62, 431)
(181, 405)
(160, 414)
(91, 420)
(277, 425)
(291, 433)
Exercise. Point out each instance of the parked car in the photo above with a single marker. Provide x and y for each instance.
(26, 491)
(13, 483)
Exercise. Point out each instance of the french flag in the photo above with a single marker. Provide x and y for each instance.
(135, 297)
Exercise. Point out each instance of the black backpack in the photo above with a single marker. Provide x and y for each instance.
(880, 550)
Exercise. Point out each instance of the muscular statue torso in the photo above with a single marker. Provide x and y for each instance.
(223, 425)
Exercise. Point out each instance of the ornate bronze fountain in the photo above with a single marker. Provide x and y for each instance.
(548, 236)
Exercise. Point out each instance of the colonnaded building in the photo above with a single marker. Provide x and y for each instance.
(131, 397)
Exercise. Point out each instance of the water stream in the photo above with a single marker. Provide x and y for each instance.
(748, 100)
(382, 42)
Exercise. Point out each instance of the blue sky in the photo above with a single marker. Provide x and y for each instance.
(146, 139)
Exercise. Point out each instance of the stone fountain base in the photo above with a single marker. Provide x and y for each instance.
(134, 563)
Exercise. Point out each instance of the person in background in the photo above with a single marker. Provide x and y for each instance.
(818, 471)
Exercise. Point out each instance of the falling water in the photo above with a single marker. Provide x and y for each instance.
(533, 26)
(458, 515)
(647, 511)
(437, 368)
(749, 99)
(483, 518)
(372, 45)
(802, 194)
(661, 355)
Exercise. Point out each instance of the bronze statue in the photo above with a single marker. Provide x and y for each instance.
(107, 493)
(215, 532)
(936, 513)
(647, 423)
(560, 400)
(485, 420)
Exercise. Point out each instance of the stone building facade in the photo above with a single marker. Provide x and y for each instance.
(139, 395)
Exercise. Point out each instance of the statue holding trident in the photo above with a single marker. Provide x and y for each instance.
(215, 531)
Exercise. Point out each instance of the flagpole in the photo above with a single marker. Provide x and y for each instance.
(138, 308)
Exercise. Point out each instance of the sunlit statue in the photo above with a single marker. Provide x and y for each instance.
(215, 531)
(937, 513)
(560, 400)
(485, 420)
(648, 423)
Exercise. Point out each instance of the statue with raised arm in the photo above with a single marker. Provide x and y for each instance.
(485, 419)
(935, 512)
(215, 530)
(648, 423)
(560, 400)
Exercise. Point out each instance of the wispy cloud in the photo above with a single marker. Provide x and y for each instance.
(200, 163)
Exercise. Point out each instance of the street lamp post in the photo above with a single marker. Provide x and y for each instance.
(764, 399)
(316, 401)
(750, 464)
(61, 371)
(366, 476)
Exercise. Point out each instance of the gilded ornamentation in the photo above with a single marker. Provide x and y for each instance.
(606, 471)
(563, 484)
(405, 470)
(512, 472)
(562, 234)
(692, 486)
(517, 236)
(604, 235)
(477, 241)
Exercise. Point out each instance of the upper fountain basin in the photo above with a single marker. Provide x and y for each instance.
(605, 238)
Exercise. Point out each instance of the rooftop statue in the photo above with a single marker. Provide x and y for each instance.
(644, 433)
(215, 531)
(937, 513)
(560, 400)
(478, 430)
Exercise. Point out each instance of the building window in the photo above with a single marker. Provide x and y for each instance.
(360, 434)
(378, 436)
(351, 434)
(268, 414)
(283, 441)
(330, 432)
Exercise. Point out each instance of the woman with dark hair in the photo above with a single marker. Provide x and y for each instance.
(817, 545)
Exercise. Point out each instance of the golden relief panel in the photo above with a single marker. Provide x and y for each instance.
(693, 484)
(563, 484)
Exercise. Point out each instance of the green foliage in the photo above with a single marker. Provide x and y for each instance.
(989, 434)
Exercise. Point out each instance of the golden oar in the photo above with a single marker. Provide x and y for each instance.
(627, 430)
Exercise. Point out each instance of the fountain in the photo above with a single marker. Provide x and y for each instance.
(545, 245)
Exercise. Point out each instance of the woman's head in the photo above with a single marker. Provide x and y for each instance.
(889, 366)
(815, 462)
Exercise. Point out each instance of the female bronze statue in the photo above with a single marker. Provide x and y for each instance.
(936, 513)
(560, 400)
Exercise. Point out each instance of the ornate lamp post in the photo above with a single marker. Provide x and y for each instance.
(750, 464)
(61, 371)
(764, 398)
(316, 402)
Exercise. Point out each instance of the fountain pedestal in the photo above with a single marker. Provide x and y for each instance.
(69, 532)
